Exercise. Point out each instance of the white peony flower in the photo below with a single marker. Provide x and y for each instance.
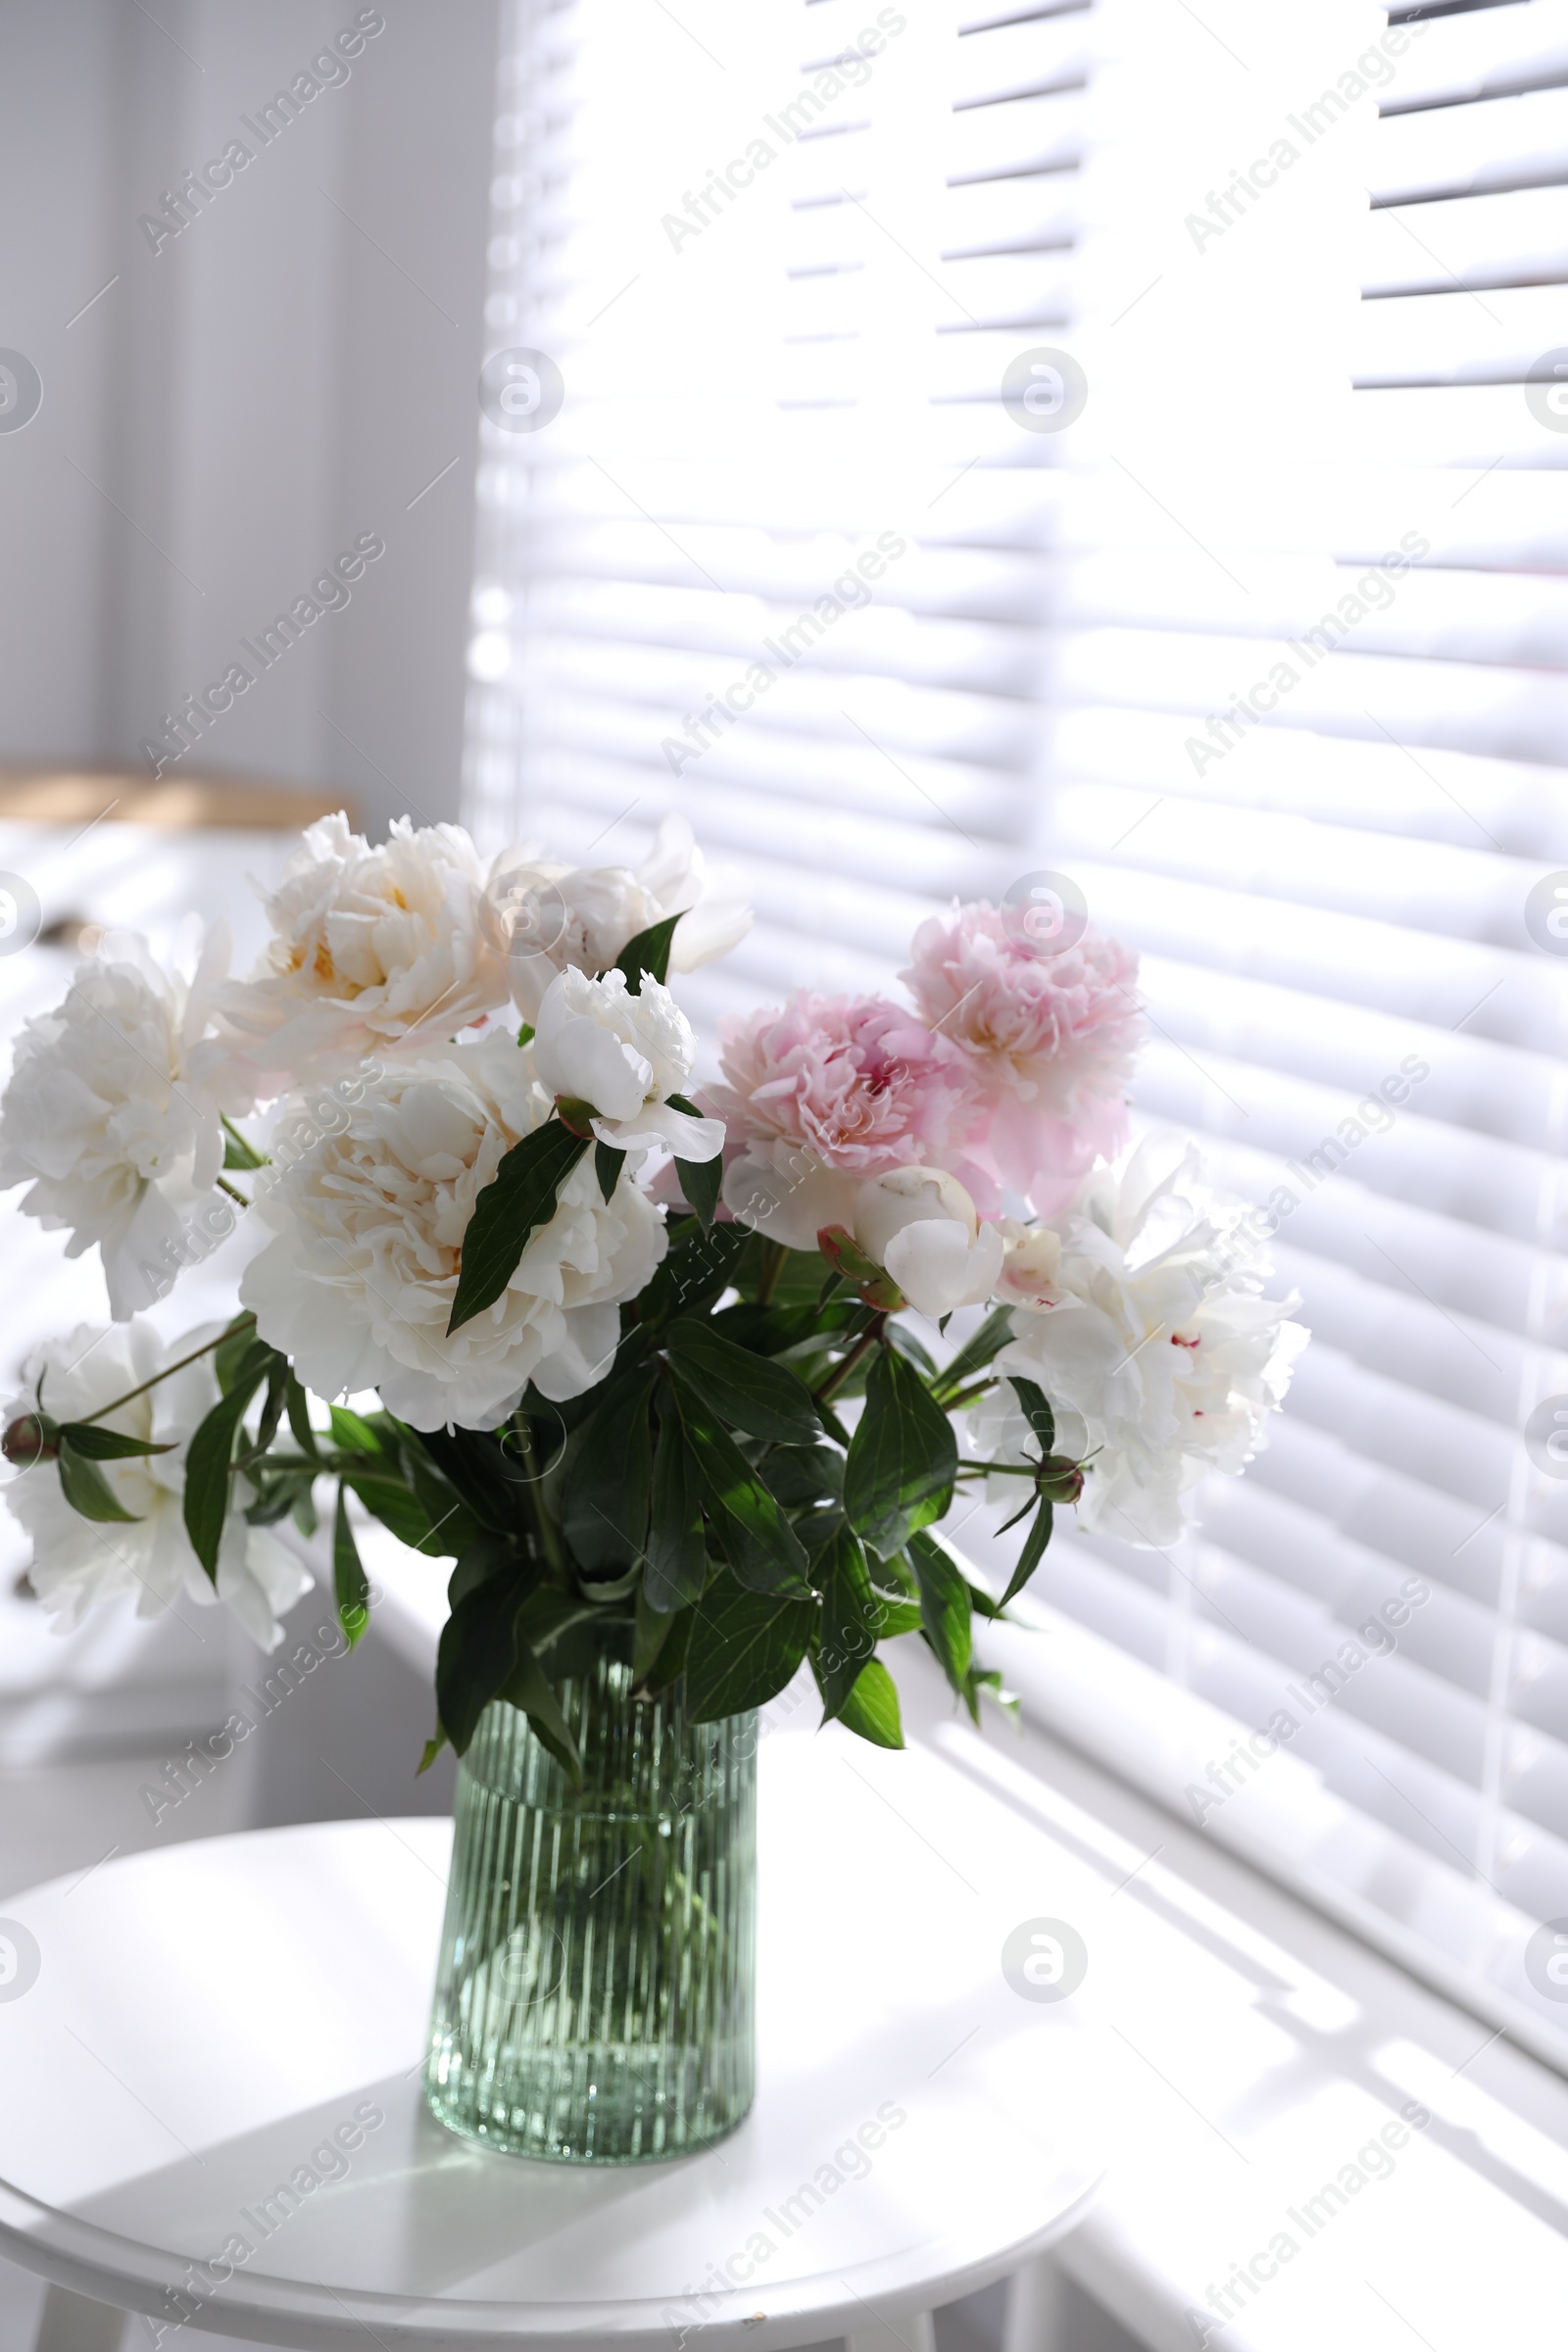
(1031, 1268)
(114, 1112)
(624, 1055)
(369, 1221)
(786, 1193)
(76, 1561)
(1162, 1358)
(372, 952)
(548, 917)
(920, 1225)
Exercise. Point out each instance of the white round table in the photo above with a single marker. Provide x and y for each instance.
(212, 2114)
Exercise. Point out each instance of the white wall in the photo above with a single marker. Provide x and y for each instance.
(288, 371)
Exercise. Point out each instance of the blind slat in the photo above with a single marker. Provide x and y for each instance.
(1070, 664)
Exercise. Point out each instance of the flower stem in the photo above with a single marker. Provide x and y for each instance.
(549, 1536)
(965, 1396)
(846, 1364)
(774, 1255)
(250, 1158)
(170, 1370)
(233, 1190)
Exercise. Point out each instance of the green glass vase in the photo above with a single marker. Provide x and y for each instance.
(595, 1998)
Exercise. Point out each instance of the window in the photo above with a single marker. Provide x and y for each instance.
(1221, 574)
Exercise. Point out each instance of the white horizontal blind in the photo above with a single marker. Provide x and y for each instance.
(1291, 392)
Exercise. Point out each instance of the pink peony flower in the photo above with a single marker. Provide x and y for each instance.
(856, 1080)
(1049, 1037)
(825, 1091)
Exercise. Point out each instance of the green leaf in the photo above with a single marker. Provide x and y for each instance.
(548, 1613)
(473, 1465)
(432, 1749)
(606, 1514)
(608, 1165)
(803, 1474)
(980, 1349)
(670, 1663)
(520, 1197)
(620, 1585)
(1038, 1413)
(757, 1540)
(873, 1707)
(1033, 1548)
(982, 1680)
(86, 1489)
(278, 1497)
(893, 1615)
(781, 1277)
(851, 1619)
(351, 1587)
(90, 1439)
(744, 1649)
(452, 1526)
(747, 1390)
(650, 1631)
(649, 951)
(832, 1424)
(677, 1552)
(696, 1272)
(774, 1329)
(899, 1336)
(351, 1431)
(299, 1419)
(477, 1656)
(386, 1497)
(902, 1457)
(1020, 1514)
(232, 1350)
(944, 1607)
(486, 1556)
(277, 1379)
(700, 1182)
(528, 1687)
(894, 1575)
(238, 1154)
(212, 1452)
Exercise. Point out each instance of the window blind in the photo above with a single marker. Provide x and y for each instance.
(1250, 623)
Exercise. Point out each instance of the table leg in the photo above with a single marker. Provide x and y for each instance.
(916, 2334)
(1037, 2308)
(73, 2323)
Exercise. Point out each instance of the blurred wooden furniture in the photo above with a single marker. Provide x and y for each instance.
(71, 796)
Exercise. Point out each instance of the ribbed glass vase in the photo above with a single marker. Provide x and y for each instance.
(594, 2001)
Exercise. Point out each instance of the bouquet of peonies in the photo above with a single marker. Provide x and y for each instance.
(672, 1356)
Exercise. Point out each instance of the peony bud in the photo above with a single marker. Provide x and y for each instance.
(920, 1224)
(615, 1062)
(29, 1439)
(845, 1254)
(1060, 1480)
(885, 1205)
(1032, 1266)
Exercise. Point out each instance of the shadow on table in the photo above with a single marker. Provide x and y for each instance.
(367, 2190)
(370, 2193)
